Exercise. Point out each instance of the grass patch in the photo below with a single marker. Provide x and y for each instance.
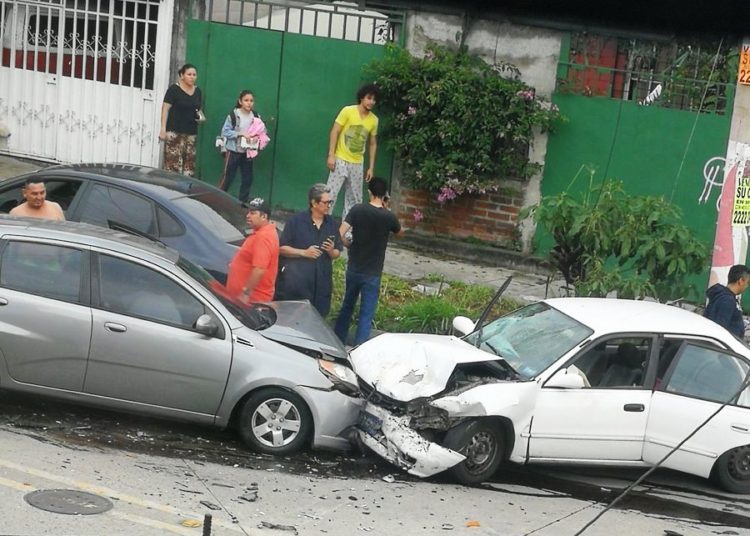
(403, 310)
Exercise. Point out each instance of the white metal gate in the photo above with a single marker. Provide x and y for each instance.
(82, 80)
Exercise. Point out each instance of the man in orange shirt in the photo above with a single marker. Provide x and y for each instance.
(252, 272)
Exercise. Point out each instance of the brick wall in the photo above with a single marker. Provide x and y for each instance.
(489, 217)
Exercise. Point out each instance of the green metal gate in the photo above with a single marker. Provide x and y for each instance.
(300, 82)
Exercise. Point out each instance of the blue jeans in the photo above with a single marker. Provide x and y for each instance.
(238, 160)
(368, 286)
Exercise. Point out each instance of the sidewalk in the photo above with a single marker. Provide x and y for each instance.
(414, 262)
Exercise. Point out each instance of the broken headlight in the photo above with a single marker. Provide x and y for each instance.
(341, 376)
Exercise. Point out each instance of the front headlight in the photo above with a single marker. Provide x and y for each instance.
(342, 377)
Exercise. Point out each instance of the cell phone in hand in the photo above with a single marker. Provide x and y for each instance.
(331, 239)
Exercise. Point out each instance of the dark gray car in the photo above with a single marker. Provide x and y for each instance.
(203, 223)
(101, 317)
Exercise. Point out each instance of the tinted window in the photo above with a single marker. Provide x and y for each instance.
(105, 203)
(42, 269)
(168, 225)
(61, 192)
(219, 212)
(706, 373)
(131, 289)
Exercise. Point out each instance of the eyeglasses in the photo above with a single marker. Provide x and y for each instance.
(329, 202)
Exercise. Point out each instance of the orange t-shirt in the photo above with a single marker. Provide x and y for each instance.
(260, 250)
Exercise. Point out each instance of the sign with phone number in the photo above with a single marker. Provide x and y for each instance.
(743, 76)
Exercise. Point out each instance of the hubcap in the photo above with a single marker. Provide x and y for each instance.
(739, 463)
(480, 452)
(276, 422)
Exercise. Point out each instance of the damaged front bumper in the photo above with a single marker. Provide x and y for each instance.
(392, 438)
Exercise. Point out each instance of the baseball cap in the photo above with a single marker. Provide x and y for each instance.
(260, 205)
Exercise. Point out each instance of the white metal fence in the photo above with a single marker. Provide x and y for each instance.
(82, 80)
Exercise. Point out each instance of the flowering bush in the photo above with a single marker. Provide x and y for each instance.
(458, 124)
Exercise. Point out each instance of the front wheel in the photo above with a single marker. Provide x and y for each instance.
(275, 421)
(732, 470)
(483, 444)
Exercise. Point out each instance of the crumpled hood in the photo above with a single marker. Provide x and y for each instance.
(409, 366)
(716, 290)
(298, 323)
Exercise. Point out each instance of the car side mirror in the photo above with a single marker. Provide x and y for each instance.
(565, 379)
(463, 325)
(206, 325)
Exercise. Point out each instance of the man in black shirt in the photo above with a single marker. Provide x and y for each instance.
(371, 224)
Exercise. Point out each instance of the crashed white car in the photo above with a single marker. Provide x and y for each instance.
(570, 380)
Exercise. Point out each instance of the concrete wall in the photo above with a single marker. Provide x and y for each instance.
(534, 51)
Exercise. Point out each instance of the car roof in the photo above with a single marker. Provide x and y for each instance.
(168, 184)
(605, 315)
(85, 234)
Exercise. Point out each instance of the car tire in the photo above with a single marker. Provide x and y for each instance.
(732, 470)
(275, 421)
(483, 443)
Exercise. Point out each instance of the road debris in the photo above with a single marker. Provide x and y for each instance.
(473, 524)
(210, 505)
(192, 523)
(267, 525)
(389, 478)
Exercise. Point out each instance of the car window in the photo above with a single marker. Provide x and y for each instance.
(42, 269)
(219, 213)
(168, 225)
(616, 362)
(135, 290)
(104, 204)
(707, 373)
(61, 192)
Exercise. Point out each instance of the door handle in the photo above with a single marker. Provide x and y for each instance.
(3, 301)
(635, 408)
(742, 428)
(116, 328)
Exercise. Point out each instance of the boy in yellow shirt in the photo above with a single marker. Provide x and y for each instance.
(355, 128)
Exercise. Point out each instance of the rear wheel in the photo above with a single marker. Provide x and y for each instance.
(483, 444)
(732, 470)
(275, 421)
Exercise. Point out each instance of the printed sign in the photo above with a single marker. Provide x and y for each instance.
(743, 76)
(741, 212)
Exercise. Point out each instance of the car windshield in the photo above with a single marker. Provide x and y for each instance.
(256, 316)
(531, 338)
(220, 212)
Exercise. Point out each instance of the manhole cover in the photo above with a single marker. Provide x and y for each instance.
(68, 501)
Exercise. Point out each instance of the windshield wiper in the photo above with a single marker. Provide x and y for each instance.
(487, 310)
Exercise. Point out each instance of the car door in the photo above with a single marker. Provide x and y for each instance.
(698, 380)
(606, 419)
(144, 348)
(45, 319)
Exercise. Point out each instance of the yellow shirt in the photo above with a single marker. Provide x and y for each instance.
(354, 131)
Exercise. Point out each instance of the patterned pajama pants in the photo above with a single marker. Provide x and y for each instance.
(179, 153)
(351, 177)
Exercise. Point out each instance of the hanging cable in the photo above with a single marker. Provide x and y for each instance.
(695, 122)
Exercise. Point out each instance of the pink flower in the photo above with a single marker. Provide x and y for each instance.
(417, 215)
(411, 111)
(527, 94)
(446, 194)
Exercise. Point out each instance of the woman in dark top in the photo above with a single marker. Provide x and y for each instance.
(180, 115)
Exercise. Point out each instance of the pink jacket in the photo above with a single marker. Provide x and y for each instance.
(257, 129)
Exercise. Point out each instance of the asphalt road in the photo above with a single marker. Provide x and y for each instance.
(519, 500)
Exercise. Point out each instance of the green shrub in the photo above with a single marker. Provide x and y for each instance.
(459, 125)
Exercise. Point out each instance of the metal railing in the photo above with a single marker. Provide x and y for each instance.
(335, 20)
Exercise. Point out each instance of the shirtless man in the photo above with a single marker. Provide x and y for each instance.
(36, 206)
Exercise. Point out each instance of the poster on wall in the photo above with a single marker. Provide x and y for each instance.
(741, 208)
(743, 75)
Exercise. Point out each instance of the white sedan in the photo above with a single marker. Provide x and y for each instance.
(570, 380)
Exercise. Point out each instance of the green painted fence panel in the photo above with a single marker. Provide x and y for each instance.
(319, 76)
(228, 62)
(653, 150)
(300, 83)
